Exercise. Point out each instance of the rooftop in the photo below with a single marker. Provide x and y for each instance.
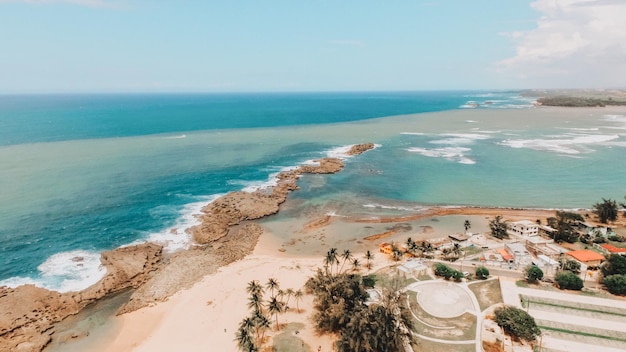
(585, 255)
(612, 249)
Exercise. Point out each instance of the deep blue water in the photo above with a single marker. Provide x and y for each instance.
(85, 173)
(47, 118)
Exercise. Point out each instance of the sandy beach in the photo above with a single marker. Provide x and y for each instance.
(206, 316)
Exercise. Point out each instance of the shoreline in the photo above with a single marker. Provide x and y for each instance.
(207, 314)
(225, 235)
(322, 225)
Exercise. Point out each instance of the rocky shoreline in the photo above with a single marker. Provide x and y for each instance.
(28, 314)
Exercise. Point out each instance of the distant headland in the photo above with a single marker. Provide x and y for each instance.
(579, 97)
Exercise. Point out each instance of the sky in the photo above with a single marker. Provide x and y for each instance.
(83, 46)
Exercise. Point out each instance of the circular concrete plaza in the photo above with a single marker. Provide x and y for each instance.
(443, 299)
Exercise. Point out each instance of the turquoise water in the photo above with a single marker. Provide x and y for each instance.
(83, 174)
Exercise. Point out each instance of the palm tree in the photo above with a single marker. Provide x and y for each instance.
(298, 296)
(331, 259)
(289, 293)
(261, 324)
(254, 287)
(356, 265)
(467, 225)
(346, 255)
(275, 306)
(244, 341)
(369, 256)
(272, 284)
(255, 302)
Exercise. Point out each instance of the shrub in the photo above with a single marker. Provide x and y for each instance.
(517, 323)
(533, 273)
(615, 265)
(567, 280)
(616, 284)
(482, 272)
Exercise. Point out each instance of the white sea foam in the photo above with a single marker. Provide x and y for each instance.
(181, 136)
(392, 207)
(564, 144)
(450, 153)
(413, 133)
(342, 152)
(459, 138)
(64, 272)
(176, 237)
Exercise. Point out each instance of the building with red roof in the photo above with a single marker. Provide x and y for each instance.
(611, 249)
(586, 257)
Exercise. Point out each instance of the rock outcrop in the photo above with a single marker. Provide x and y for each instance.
(236, 207)
(28, 313)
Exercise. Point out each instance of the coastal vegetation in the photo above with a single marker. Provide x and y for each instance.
(250, 336)
(614, 274)
(567, 280)
(447, 272)
(565, 225)
(482, 273)
(533, 273)
(517, 323)
(499, 227)
(340, 307)
(606, 210)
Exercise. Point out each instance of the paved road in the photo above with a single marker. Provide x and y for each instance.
(470, 267)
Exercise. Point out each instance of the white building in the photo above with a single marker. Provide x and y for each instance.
(520, 255)
(524, 228)
(413, 267)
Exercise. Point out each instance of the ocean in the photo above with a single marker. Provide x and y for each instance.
(80, 174)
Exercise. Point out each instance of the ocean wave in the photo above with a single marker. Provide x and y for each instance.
(413, 133)
(456, 154)
(64, 272)
(176, 237)
(459, 138)
(575, 144)
(342, 151)
(394, 207)
(181, 136)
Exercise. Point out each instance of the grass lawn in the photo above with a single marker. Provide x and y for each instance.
(430, 346)
(487, 292)
(389, 278)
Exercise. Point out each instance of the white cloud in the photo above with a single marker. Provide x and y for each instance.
(577, 43)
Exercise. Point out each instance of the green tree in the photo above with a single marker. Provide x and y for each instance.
(571, 265)
(369, 256)
(384, 326)
(614, 265)
(275, 306)
(499, 227)
(336, 298)
(565, 225)
(272, 284)
(482, 272)
(533, 273)
(298, 296)
(606, 210)
(331, 259)
(517, 323)
(347, 256)
(567, 280)
(616, 284)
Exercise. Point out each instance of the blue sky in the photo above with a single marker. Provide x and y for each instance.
(215, 46)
